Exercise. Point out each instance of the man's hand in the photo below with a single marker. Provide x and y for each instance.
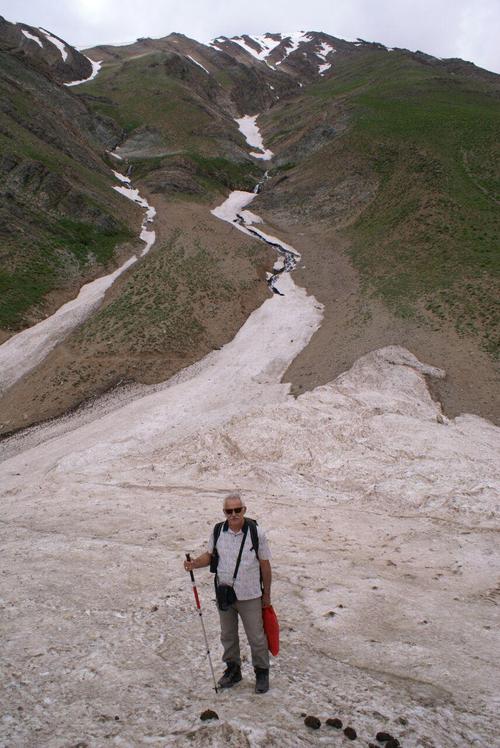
(266, 599)
(198, 563)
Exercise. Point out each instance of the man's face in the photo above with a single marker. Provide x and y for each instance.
(234, 519)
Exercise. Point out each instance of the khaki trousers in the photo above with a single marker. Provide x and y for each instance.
(250, 612)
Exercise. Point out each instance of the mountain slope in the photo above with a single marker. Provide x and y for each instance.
(59, 219)
(385, 176)
(393, 160)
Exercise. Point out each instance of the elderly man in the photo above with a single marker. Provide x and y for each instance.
(235, 540)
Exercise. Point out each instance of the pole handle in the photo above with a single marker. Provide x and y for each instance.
(188, 557)
(195, 591)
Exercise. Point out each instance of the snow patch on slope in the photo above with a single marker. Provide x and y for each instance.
(56, 42)
(265, 42)
(324, 51)
(199, 64)
(147, 235)
(96, 66)
(249, 128)
(34, 38)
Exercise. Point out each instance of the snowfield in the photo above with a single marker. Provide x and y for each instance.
(383, 524)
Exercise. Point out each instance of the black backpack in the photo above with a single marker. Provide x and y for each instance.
(220, 526)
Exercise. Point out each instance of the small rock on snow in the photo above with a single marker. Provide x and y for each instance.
(334, 722)
(312, 722)
(350, 733)
(209, 714)
(383, 737)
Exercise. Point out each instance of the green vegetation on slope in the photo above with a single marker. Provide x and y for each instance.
(178, 137)
(141, 91)
(428, 241)
(208, 174)
(163, 304)
(64, 249)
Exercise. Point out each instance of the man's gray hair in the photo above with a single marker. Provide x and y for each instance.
(233, 495)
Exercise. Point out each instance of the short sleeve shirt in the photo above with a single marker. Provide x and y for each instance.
(247, 584)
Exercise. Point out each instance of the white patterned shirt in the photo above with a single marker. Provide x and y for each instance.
(247, 584)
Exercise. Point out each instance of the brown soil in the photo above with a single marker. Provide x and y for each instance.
(355, 324)
(88, 363)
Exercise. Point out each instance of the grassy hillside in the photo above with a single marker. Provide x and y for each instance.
(163, 91)
(179, 134)
(424, 134)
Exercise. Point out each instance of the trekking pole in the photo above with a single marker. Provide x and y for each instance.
(198, 605)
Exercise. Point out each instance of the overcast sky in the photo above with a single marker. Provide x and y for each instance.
(469, 29)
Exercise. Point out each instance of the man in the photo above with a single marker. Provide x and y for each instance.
(251, 598)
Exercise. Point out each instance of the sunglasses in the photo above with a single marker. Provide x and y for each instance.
(236, 510)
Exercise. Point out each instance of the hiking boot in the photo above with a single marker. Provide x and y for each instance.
(231, 675)
(261, 680)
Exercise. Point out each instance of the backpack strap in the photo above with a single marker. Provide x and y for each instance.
(217, 531)
(245, 531)
(252, 524)
(254, 534)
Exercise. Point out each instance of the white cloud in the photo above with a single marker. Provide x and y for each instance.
(445, 28)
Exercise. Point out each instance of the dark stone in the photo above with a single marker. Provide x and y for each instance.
(154, 609)
(208, 714)
(312, 722)
(350, 733)
(117, 718)
(334, 722)
(383, 737)
(8, 162)
(393, 743)
(402, 720)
